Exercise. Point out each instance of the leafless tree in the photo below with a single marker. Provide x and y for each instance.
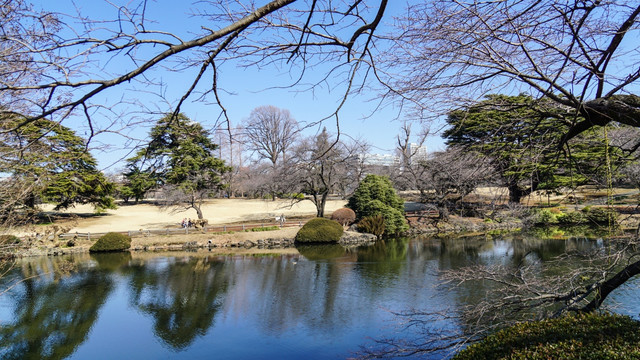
(406, 173)
(264, 180)
(582, 55)
(231, 150)
(73, 60)
(324, 166)
(448, 176)
(270, 132)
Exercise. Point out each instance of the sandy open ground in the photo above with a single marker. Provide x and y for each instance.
(217, 211)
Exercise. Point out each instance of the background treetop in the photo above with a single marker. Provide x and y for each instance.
(578, 54)
(434, 56)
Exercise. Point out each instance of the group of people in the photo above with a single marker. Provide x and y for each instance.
(186, 223)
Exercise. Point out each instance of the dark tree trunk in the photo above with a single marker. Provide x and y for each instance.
(515, 193)
(603, 290)
(624, 109)
(30, 202)
(320, 203)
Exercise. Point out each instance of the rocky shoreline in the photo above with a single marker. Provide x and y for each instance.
(463, 226)
(283, 239)
(276, 239)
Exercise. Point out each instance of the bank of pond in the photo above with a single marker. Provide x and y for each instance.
(313, 302)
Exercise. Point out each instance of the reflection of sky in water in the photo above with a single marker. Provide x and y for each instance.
(499, 249)
(626, 299)
(284, 306)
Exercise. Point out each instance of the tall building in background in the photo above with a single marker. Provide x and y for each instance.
(417, 152)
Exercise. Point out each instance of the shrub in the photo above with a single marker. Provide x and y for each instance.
(372, 225)
(572, 217)
(344, 216)
(111, 242)
(263, 228)
(544, 217)
(586, 336)
(9, 239)
(376, 196)
(320, 230)
(601, 215)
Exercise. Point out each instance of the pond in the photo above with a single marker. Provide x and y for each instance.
(312, 303)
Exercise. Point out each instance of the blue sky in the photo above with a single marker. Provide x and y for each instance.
(359, 118)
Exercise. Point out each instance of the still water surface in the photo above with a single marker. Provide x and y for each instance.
(314, 303)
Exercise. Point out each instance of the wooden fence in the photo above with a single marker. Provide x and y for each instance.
(186, 230)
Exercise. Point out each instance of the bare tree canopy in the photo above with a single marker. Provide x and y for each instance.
(582, 55)
(270, 132)
(73, 61)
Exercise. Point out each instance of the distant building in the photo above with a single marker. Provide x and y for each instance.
(417, 152)
(379, 159)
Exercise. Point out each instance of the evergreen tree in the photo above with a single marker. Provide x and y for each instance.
(179, 158)
(137, 184)
(51, 164)
(375, 195)
(522, 138)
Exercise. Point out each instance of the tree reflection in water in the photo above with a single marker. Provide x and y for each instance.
(182, 295)
(322, 303)
(56, 307)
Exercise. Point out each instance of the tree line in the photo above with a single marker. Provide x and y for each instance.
(575, 64)
(507, 141)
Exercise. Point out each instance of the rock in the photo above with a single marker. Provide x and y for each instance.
(248, 244)
(190, 245)
(352, 237)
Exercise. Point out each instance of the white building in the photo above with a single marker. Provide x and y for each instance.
(379, 159)
(417, 152)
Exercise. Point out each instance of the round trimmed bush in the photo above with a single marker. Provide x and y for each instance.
(586, 336)
(111, 242)
(320, 230)
(344, 216)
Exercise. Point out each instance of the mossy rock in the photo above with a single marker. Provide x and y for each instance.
(320, 230)
(111, 242)
(586, 336)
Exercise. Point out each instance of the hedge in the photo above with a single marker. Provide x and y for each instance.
(585, 337)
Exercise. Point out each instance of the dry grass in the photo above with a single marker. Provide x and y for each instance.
(216, 211)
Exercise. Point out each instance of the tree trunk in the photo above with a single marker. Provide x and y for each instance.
(603, 290)
(198, 211)
(320, 203)
(624, 109)
(515, 193)
(30, 202)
